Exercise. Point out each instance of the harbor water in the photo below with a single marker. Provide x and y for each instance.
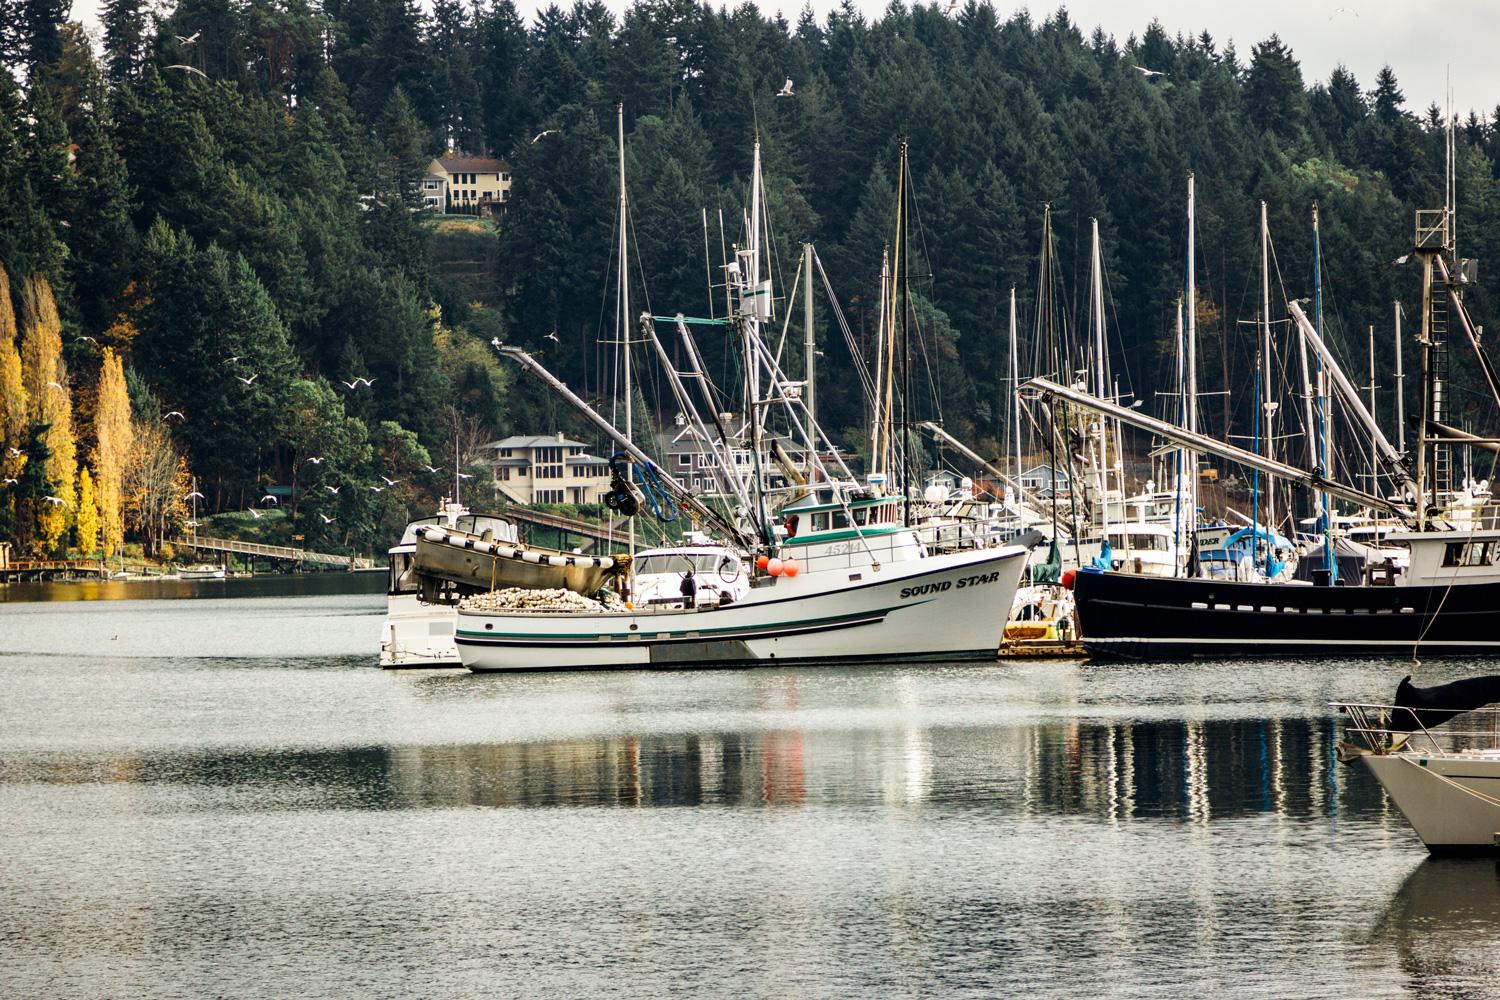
(208, 789)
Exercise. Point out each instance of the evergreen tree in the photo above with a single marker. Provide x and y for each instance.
(124, 23)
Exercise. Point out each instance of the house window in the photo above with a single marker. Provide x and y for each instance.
(504, 177)
(685, 460)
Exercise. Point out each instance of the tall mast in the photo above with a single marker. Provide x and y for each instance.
(1265, 370)
(1190, 389)
(905, 261)
(1101, 373)
(758, 300)
(625, 302)
(1374, 458)
(810, 350)
(1400, 387)
(877, 465)
(1321, 429)
(1015, 392)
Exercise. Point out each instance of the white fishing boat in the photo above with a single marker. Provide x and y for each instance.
(418, 630)
(203, 572)
(1436, 752)
(855, 584)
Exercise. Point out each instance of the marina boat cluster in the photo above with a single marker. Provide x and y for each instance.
(826, 566)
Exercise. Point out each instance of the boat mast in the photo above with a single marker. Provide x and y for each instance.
(1400, 387)
(810, 349)
(877, 465)
(625, 303)
(757, 301)
(1101, 373)
(1324, 411)
(1191, 388)
(1015, 393)
(904, 260)
(1265, 368)
(1374, 459)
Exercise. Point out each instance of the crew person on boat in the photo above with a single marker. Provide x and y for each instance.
(689, 589)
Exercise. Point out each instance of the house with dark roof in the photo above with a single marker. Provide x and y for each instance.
(547, 468)
(467, 184)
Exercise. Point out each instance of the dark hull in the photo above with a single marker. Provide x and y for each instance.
(1160, 618)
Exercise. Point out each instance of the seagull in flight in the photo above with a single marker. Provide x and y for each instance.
(536, 138)
(254, 513)
(274, 501)
(552, 337)
(952, 7)
(230, 361)
(195, 495)
(350, 385)
(192, 524)
(315, 459)
(91, 340)
(332, 489)
(249, 380)
(56, 501)
(465, 475)
(367, 381)
(430, 468)
(188, 39)
(786, 89)
(11, 480)
(190, 69)
(376, 489)
(1149, 72)
(15, 452)
(173, 413)
(389, 481)
(54, 385)
(326, 518)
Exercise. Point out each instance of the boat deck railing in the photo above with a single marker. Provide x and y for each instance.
(1387, 728)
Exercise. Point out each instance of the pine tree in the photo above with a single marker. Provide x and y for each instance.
(124, 24)
(1273, 90)
(112, 441)
(87, 528)
(51, 405)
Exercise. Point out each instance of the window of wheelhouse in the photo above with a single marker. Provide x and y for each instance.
(402, 581)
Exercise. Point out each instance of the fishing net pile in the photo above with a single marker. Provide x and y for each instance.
(523, 599)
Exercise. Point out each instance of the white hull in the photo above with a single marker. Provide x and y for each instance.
(1451, 800)
(417, 634)
(939, 607)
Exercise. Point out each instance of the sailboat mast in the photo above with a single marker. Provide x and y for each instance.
(1400, 387)
(1324, 426)
(625, 303)
(1015, 392)
(810, 349)
(1374, 458)
(751, 322)
(1101, 373)
(877, 412)
(1265, 372)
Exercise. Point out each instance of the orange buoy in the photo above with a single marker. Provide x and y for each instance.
(761, 561)
(1067, 579)
(773, 566)
(790, 567)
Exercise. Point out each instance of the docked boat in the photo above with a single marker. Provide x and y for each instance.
(1436, 752)
(420, 614)
(203, 572)
(855, 584)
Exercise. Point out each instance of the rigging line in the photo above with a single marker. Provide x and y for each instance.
(860, 367)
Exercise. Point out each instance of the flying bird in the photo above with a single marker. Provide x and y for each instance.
(173, 413)
(326, 518)
(254, 513)
(1149, 72)
(315, 459)
(552, 337)
(274, 501)
(190, 69)
(54, 385)
(56, 501)
(786, 89)
(230, 361)
(191, 524)
(11, 480)
(189, 39)
(376, 489)
(952, 7)
(367, 381)
(350, 385)
(249, 380)
(16, 452)
(539, 135)
(464, 475)
(389, 481)
(495, 343)
(195, 495)
(430, 468)
(1342, 10)
(332, 489)
(91, 340)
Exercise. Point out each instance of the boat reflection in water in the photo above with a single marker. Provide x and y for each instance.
(1442, 925)
(1193, 772)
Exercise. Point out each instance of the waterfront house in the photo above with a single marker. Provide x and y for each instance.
(476, 185)
(1045, 481)
(688, 456)
(542, 468)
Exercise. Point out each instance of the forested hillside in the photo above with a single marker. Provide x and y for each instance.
(210, 230)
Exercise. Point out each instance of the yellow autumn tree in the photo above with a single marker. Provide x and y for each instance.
(50, 403)
(113, 435)
(88, 515)
(12, 390)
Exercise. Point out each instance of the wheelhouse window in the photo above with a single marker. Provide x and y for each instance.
(1469, 553)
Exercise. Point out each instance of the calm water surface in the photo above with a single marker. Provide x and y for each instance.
(222, 796)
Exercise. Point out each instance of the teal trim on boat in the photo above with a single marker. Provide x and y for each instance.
(657, 635)
(839, 536)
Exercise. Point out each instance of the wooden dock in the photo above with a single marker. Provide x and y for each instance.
(281, 553)
(15, 570)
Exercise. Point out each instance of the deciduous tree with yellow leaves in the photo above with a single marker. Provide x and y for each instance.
(113, 435)
(50, 403)
(88, 515)
(12, 404)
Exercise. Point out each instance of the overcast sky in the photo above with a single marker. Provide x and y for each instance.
(1362, 34)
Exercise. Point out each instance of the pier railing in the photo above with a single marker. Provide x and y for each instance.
(283, 552)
